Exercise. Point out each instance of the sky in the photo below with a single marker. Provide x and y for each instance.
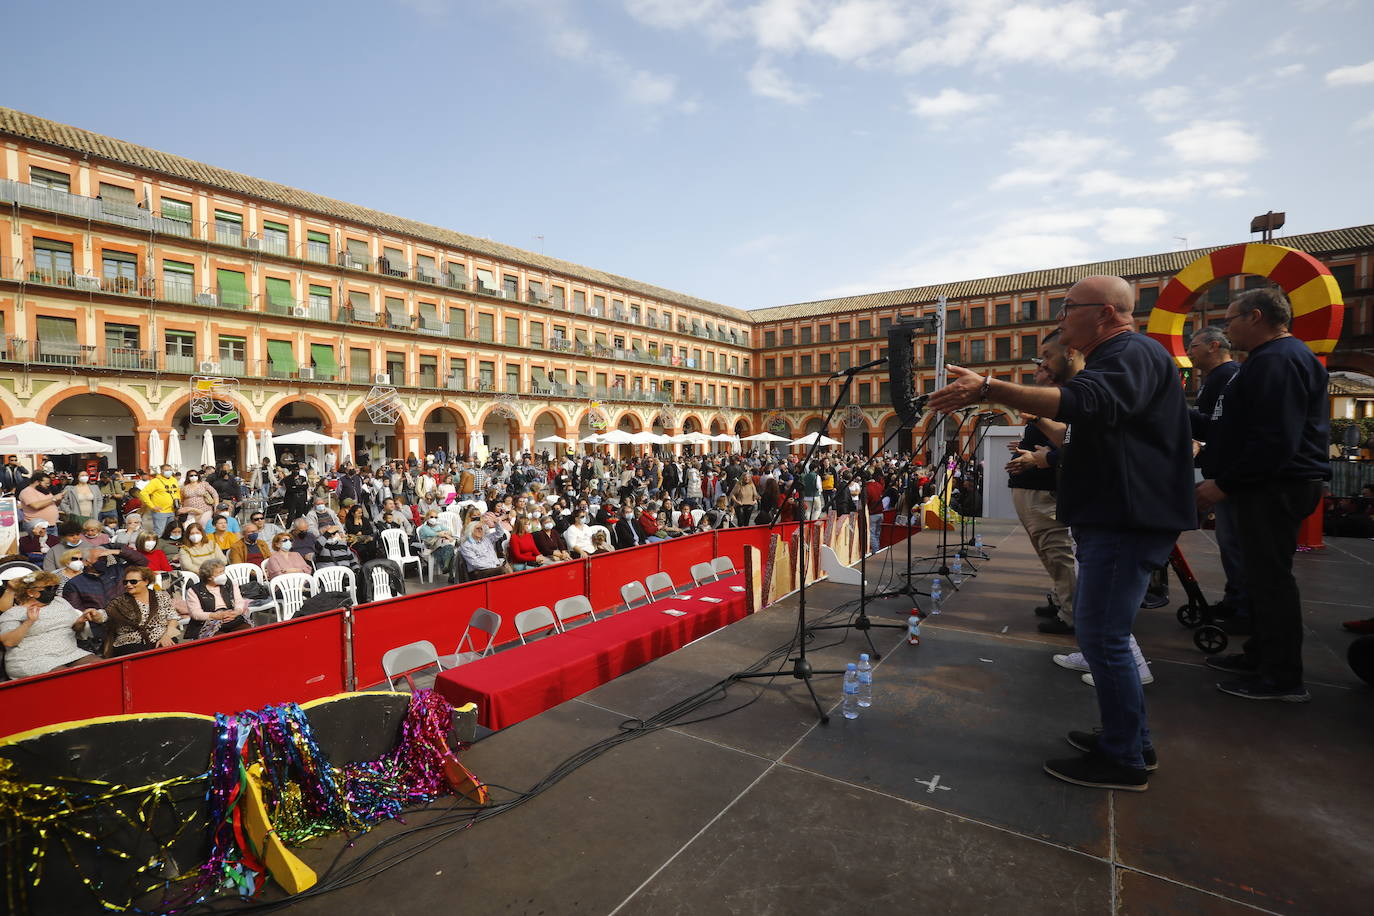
(751, 152)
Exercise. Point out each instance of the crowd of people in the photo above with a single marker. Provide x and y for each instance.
(108, 546)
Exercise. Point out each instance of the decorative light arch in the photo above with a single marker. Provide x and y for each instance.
(1318, 308)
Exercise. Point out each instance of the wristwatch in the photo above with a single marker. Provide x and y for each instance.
(986, 389)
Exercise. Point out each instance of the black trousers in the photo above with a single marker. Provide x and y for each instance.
(1267, 520)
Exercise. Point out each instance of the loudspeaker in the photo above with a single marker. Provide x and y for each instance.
(901, 372)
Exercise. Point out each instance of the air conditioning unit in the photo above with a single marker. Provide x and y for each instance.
(207, 299)
(86, 282)
(252, 242)
(382, 378)
(307, 373)
(208, 367)
(594, 312)
(300, 311)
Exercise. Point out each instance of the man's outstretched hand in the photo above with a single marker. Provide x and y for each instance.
(962, 390)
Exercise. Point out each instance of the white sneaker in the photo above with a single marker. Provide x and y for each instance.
(1145, 677)
(1074, 662)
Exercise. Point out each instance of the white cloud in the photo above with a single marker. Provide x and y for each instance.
(1053, 156)
(1102, 182)
(855, 28)
(771, 83)
(645, 88)
(1166, 103)
(1351, 76)
(1215, 141)
(782, 25)
(1060, 34)
(1289, 70)
(948, 102)
(1365, 123)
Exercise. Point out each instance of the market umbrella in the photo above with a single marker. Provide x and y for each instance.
(36, 439)
(306, 437)
(269, 450)
(207, 449)
(250, 451)
(618, 437)
(155, 453)
(765, 437)
(174, 451)
(557, 439)
(812, 438)
(593, 439)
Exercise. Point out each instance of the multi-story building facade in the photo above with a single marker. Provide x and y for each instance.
(125, 273)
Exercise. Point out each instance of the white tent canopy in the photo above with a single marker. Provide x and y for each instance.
(765, 437)
(37, 439)
(306, 437)
(811, 439)
(557, 439)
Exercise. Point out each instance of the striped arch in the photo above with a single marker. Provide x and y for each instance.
(1318, 308)
(447, 405)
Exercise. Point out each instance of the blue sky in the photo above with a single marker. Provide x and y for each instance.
(753, 152)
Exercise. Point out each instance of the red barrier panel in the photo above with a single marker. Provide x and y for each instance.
(438, 616)
(612, 570)
(730, 542)
(73, 693)
(509, 595)
(294, 661)
(676, 557)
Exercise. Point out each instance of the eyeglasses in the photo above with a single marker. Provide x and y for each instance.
(1064, 309)
(132, 581)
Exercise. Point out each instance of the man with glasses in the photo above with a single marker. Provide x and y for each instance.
(1126, 492)
(1269, 439)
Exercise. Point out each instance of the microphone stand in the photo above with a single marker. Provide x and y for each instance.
(985, 420)
(946, 465)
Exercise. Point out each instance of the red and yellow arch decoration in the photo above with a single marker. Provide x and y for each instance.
(1318, 308)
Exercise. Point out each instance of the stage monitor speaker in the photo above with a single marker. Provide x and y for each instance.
(901, 368)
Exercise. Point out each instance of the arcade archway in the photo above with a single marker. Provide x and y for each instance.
(99, 417)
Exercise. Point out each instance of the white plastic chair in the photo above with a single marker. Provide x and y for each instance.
(566, 609)
(337, 579)
(593, 529)
(698, 515)
(397, 549)
(289, 590)
(634, 594)
(535, 619)
(483, 621)
(659, 584)
(188, 579)
(723, 566)
(241, 574)
(702, 573)
(405, 659)
(453, 521)
(381, 584)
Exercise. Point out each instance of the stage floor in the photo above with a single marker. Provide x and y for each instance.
(933, 801)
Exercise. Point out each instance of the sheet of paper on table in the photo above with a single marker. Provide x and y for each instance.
(737, 588)
(713, 600)
(671, 613)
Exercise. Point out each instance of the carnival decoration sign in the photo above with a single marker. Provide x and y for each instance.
(775, 424)
(854, 416)
(383, 405)
(596, 417)
(507, 405)
(1318, 308)
(212, 401)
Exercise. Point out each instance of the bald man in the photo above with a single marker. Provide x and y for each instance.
(1126, 491)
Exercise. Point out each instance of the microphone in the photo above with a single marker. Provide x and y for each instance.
(857, 369)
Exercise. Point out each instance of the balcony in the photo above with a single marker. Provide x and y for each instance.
(348, 260)
(131, 358)
(231, 234)
(388, 268)
(317, 252)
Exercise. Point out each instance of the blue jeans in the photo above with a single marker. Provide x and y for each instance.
(160, 520)
(875, 530)
(1228, 542)
(1114, 566)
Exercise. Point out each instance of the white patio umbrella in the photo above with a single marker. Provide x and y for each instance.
(696, 438)
(269, 450)
(207, 449)
(557, 439)
(618, 437)
(36, 439)
(765, 437)
(155, 453)
(593, 439)
(250, 452)
(724, 437)
(306, 437)
(174, 451)
(644, 438)
(812, 438)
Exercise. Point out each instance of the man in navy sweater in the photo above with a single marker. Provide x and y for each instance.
(1270, 440)
(1126, 492)
(1210, 351)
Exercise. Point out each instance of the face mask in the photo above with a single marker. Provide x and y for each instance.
(166, 472)
(47, 595)
(220, 579)
(194, 538)
(76, 566)
(283, 545)
(82, 478)
(75, 543)
(548, 526)
(854, 488)
(191, 478)
(174, 537)
(150, 545)
(251, 538)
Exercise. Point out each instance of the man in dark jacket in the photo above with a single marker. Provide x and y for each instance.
(1270, 436)
(1210, 351)
(1126, 492)
(628, 531)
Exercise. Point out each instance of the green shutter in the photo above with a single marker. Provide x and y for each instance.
(279, 295)
(281, 356)
(233, 288)
(322, 292)
(56, 330)
(279, 227)
(320, 237)
(178, 210)
(223, 216)
(322, 355)
(178, 267)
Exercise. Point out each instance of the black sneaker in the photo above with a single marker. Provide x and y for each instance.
(1047, 610)
(1087, 743)
(1055, 627)
(1154, 600)
(1097, 772)
(1251, 689)
(1236, 663)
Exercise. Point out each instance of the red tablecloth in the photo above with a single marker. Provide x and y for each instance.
(514, 685)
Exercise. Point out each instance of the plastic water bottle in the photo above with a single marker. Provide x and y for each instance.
(850, 707)
(956, 570)
(913, 629)
(865, 681)
(935, 594)
(978, 541)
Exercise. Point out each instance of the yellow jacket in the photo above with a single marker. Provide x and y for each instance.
(160, 494)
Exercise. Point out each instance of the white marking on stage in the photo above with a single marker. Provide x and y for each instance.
(933, 783)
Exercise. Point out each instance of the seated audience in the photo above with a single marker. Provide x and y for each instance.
(215, 604)
(479, 555)
(522, 552)
(196, 548)
(39, 628)
(285, 560)
(142, 618)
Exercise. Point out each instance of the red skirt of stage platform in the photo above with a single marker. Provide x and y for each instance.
(522, 682)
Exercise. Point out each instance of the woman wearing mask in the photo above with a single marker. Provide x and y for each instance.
(81, 500)
(196, 548)
(578, 535)
(439, 541)
(36, 545)
(522, 551)
(72, 563)
(215, 604)
(223, 537)
(39, 628)
(551, 544)
(141, 618)
(156, 558)
(93, 535)
(284, 559)
(198, 499)
(131, 533)
(360, 534)
(170, 543)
